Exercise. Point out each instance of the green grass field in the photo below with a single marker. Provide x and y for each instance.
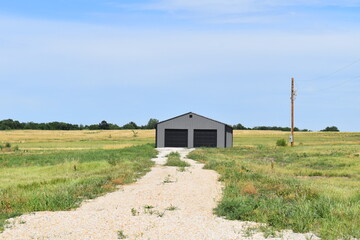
(59, 174)
(313, 186)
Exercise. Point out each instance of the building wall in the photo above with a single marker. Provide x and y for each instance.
(229, 137)
(196, 122)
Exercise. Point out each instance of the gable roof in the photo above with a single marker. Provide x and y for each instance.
(196, 115)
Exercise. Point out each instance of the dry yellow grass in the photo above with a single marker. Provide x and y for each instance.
(21, 136)
(35, 140)
(257, 132)
(40, 140)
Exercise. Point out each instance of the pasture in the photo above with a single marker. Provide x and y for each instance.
(312, 187)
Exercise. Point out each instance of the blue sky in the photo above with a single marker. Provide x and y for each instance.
(83, 61)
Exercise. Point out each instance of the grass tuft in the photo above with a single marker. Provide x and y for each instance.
(281, 143)
(121, 235)
(175, 161)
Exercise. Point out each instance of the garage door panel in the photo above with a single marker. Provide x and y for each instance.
(176, 138)
(205, 138)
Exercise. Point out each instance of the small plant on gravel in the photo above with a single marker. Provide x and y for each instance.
(121, 235)
(171, 208)
(134, 212)
(160, 214)
(148, 209)
(181, 169)
(250, 231)
(168, 179)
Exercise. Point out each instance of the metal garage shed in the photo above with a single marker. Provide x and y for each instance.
(193, 130)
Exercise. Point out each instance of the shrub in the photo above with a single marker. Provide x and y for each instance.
(330, 129)
(281, 143)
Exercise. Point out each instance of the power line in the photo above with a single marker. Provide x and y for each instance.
(334, 72)
(330, 86)
(340, 83)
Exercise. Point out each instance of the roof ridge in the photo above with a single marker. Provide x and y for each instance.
(197, 115)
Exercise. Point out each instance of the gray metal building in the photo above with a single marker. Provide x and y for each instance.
(193, 130)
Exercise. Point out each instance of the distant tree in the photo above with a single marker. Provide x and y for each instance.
(9, 124)
(285, 129)
(151, 123)
(104, 125)
(239, 126)
(113, 126)
(330, 129)
(93, 127)
(31, 125)
(130, 125)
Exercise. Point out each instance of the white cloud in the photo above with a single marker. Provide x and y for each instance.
(241, 6)
(247, 11)
(66, 53)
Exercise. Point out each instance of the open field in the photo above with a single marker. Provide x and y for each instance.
(312, 187)
(76, 140)
(56, 170)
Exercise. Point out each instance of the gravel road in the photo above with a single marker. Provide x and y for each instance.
(164, 204)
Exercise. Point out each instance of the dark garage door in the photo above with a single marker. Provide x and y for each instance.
(176, 138)
(205, 138)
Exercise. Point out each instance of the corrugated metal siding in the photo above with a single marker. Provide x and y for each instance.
(196, 122)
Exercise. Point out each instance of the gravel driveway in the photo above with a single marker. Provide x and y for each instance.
(165, 204)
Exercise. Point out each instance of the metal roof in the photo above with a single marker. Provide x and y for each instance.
(194, 114)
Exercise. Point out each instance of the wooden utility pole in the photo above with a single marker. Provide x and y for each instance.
(292, 112)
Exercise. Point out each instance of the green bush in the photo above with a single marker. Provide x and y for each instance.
(281, 143)
(330, 129)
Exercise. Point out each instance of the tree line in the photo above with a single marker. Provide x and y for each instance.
(9, 124)
(239, 126)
